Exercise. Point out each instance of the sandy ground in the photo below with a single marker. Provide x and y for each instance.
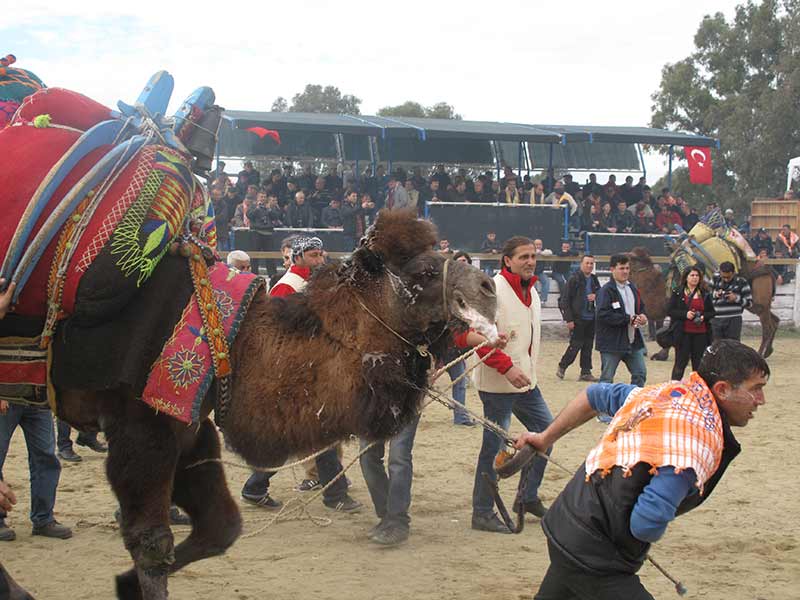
(743, 544)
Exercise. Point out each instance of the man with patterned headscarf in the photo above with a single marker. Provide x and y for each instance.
(664, 452)
(307, 254)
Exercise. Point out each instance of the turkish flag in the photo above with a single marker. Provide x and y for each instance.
(699, 164)
(261, 132)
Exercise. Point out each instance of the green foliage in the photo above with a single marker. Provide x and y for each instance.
(280, 105)
(440, 110)
(318, 99)
(742, 86)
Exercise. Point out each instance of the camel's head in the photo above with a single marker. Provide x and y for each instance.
(431, 288)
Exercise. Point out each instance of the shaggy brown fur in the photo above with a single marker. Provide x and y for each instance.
(649, 280)
(309, 369)
(10, 589)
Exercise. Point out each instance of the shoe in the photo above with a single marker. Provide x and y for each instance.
(6, 533)
(587, 377)
(466, 423)
(307, 485)
(93, 444)
(69, 455)
(490, 522)
(264, 501)
(346, 505)
(391, 535)
(375, 529)
(534, 507)
(176, 517)
(53, 529)
(560, 373)
(604, 419)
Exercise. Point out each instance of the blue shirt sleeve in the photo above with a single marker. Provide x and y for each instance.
(608, 398)
(659, 501)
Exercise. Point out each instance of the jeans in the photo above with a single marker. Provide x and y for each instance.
(459, 392)
(561, 280)
(391, 493)
(543, 286)
(691, 346)
(634, 360)
(45, 469)
(328, 465)
(581, 339)
(566, 581)
(530, 408)
(727, 329)
(63, 442)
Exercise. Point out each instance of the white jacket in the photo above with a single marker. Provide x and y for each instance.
(526, 323)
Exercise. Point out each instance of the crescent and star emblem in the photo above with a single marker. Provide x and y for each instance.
(699, 156)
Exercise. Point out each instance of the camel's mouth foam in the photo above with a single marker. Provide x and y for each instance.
(478, 322)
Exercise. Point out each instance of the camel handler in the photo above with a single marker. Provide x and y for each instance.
(307, 254)
(639, 477)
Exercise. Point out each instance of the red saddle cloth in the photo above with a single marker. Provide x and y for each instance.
(180, 378)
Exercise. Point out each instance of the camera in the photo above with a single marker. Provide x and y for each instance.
(698, 318)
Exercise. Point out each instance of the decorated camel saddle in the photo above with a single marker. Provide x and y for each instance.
(710, 243)
(93, 200)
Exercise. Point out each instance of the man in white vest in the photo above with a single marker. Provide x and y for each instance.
(307, 254)
(507, 383)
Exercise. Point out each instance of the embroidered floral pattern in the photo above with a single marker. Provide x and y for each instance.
(185, 368)
(224, 302)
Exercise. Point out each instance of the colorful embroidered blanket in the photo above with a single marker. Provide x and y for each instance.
(180, 378)
(673, 424)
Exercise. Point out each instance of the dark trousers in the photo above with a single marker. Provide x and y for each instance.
(727, 328)
(328, 466)
(64, 443)
(581, 339)
(565, 581)
(691, 346)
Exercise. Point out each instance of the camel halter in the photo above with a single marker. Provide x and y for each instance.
(422, 349)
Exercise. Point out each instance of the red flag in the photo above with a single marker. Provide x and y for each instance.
(699, 164)
(261, 132)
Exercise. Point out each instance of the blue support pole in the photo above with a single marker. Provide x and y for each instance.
(566, 222)
(496, 159)
(550, 160)
(586, 248)
(669, 173)
(519, 159)
(389, 155)
(641, 160)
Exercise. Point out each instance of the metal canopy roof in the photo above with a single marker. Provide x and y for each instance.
(423, 129)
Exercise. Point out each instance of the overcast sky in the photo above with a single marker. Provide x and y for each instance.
(567, 62)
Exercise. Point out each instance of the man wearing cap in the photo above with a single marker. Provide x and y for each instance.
(762, 241)
(307, 254)
(239, 260)
(730, 221)
(731, 295)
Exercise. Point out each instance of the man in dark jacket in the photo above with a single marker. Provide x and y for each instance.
(620, 315)
(600, 528)
(577, 305)
(299, 213)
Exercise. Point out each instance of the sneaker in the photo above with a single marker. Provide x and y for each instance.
(391, 535)
(69, 455)
(6, 533)
(560, 373)
(469, 423)
(533, 507)
(93, 444)
(53, 529)
(490, 522)
(346, 505)
(604, 419)
(307, 485)
(264, 501)
(176, 517)
(587, 377)
(375, 529)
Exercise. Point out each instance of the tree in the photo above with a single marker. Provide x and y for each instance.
(742, 86)
(329, 99)
(409, 108)
(280, 105)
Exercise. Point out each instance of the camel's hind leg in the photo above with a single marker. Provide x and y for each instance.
(142, 454)
(203, 493)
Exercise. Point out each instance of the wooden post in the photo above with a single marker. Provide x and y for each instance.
(796, 300)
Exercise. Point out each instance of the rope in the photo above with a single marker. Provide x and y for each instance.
(422, 349)
(283, 467)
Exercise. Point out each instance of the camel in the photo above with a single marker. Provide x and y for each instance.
(10, 589)
(349, 356)
(651, 282)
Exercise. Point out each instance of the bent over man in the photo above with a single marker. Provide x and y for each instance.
(662, 455)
